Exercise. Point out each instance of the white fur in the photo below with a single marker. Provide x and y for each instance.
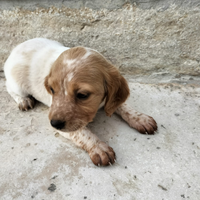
(86, 55)
(70, 76)
(69, 62)
(42, 53)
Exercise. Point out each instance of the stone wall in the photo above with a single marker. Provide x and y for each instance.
(97, 4)
(136, 38)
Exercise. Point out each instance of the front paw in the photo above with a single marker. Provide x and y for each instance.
(144, 124)
(102, 154)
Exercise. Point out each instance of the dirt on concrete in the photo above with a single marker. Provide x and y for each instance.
(38, 163)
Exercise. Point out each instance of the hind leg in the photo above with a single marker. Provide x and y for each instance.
(24, 101)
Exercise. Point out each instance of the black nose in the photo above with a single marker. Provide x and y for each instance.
(57, 124)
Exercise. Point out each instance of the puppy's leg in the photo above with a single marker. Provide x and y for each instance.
(99, 152)
(141, 122)
(24, 101)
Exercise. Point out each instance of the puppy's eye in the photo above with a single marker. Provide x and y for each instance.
(52, 91)
(82, 96)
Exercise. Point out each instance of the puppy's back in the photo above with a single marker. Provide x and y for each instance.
(29, 63)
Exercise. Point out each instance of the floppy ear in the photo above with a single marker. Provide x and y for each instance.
(46, 84)
(117, 90)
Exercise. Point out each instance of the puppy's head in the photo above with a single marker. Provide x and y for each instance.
(79, 81)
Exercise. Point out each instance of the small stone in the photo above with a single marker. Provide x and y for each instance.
(163, 188)
(54, 177)
(163, 126)
(52, 187)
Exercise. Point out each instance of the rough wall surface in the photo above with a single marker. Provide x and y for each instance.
(96, 4)
(137, 40)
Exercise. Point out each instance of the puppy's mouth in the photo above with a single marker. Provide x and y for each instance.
(63, 126)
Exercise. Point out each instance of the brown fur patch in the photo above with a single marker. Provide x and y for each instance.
(75, 53)
(93, 76)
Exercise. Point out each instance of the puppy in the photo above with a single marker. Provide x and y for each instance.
(74, 83)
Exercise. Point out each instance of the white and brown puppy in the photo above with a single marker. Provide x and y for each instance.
(74, 83)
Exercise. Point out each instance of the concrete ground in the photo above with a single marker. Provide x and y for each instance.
(36, 163)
